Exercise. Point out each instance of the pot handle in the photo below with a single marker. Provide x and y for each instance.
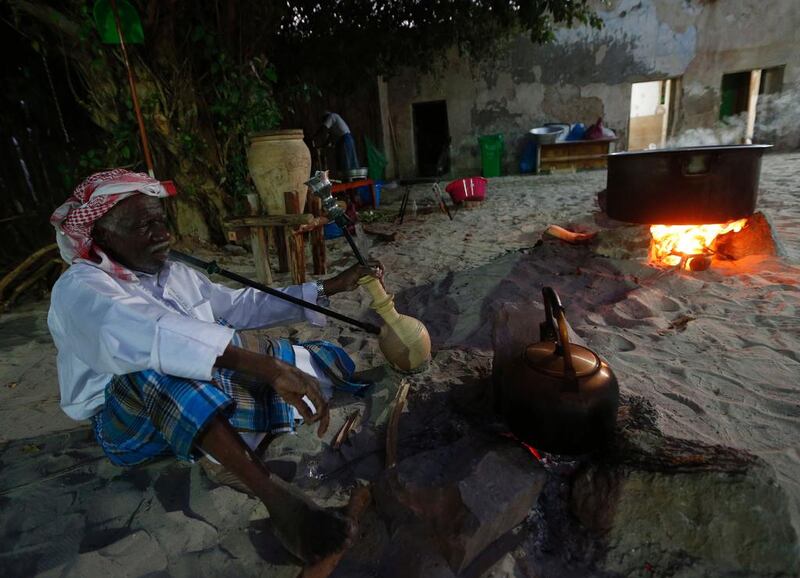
(697, 164)
(556, 328)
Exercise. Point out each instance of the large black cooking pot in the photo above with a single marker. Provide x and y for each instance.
(684, 186)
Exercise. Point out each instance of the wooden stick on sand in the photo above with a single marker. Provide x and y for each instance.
(345, 430)
(569, 236)
(394, 423)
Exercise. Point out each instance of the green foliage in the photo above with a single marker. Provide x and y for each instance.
(244, 99)
(340, 41)
(243, 102)
(120, 147)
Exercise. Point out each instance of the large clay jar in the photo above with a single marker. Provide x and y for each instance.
(279, 161)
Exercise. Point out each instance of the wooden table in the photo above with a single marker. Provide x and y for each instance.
(344, 187)
(574, 155)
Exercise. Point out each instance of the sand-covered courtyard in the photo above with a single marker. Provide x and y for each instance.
(717, 353)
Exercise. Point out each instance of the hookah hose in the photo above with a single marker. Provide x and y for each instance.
(211, 268)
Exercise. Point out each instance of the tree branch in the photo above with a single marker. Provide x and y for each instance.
(50, 17)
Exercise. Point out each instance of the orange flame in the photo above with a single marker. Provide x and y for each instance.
(672, 243)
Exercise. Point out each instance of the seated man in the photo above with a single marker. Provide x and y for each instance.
(334, 128)
(147, 350)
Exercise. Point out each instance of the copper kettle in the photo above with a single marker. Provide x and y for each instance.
(556, 395)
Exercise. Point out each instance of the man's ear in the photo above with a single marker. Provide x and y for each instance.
(99, 234)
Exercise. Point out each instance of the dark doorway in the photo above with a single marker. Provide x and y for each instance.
(771, 80)
(735, 93)
(431, 138)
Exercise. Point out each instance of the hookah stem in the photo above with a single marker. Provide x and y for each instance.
(353, 246)
(211, 267)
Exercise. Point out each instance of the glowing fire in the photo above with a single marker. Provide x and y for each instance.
(673, 244)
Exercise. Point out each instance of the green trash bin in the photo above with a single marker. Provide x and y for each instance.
(491, 154)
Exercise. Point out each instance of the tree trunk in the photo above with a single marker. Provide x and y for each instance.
(184, 150)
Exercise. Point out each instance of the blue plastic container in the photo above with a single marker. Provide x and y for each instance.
(530, 155)
(577, 132)
(332, 231)
(366, 199)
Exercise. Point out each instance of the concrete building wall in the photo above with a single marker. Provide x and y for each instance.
(585, 74)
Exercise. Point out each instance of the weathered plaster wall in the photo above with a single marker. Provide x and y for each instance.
(588, 73)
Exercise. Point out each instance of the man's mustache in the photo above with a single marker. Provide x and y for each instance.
(161, 247)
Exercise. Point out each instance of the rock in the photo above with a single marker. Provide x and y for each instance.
(756, 238)
(383, 232)
(413, 554)
(463, 496)
(625, 241)
(235, 250)
(503, 568)
(683, 508)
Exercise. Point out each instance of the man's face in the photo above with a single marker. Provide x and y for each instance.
(134, 233)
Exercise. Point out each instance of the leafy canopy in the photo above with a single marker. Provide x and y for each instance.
(367, 37)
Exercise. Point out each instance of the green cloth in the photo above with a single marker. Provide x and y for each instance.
(376, 161)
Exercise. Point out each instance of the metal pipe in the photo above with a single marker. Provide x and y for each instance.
(211, 268)
(353, 245)
(134, 98)
(320, 186)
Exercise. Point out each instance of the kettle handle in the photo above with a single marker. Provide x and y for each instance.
(556, 325)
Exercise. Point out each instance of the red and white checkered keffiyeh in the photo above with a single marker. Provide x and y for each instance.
(92, 199)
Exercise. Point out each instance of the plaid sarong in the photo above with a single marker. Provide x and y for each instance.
(148, 414)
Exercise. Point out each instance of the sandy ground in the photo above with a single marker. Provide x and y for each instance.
(715, 351)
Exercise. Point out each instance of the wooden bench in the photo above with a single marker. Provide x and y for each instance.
(574, 155)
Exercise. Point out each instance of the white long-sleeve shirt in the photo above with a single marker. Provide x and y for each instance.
(103, 326)
(336, 125)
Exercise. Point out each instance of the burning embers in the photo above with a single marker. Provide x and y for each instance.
(689, 247)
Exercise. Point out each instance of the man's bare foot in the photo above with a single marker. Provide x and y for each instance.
(309, 532)
(306, 530)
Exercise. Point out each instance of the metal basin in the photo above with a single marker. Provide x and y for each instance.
(356, 174)
(684, 186)
(545, 134)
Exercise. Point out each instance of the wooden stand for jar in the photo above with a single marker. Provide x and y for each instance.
(286, 234)
(404, 340)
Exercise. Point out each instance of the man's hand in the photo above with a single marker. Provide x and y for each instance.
(347, 280)
(288, 382)
(292, 384)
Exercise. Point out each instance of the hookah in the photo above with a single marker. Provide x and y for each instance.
(403, 340)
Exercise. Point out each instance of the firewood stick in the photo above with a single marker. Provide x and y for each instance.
(569, 236)
(36, 276)
(359, 500)
(345, 430)
(394, 423)
(6, 281)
